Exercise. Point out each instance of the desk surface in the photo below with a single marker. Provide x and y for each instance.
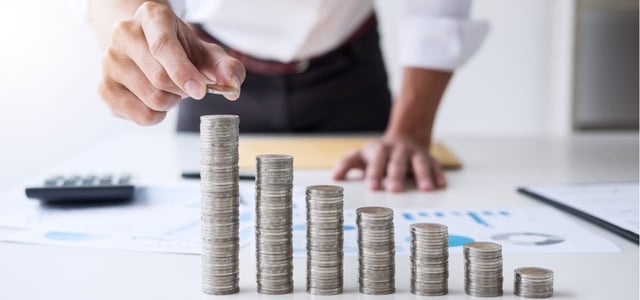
(494, 167)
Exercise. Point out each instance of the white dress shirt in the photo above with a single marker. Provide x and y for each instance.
(434, 34)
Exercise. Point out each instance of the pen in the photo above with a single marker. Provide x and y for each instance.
(196, 175)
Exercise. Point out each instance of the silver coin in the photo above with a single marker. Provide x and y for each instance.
(273, 230)
(533, 282)
(324, 239)
(220, 204)
(376, 250)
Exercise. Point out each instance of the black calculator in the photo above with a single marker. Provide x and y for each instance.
(83, 189)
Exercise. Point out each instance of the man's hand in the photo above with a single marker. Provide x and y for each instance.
(155, 60)
(387, 163)
(404, 149)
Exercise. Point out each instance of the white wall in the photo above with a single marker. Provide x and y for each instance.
(49, 69)
(517, 84)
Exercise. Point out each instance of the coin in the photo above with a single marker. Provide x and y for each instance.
(429, 259)
(483, 269)
(224, 90)
(376, 250)
(533, 282)
(324, 204)
(274, 221)
(220, 204)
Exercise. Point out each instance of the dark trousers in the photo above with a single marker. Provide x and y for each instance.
(346, 90)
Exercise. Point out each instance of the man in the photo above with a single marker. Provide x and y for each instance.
(311, 65)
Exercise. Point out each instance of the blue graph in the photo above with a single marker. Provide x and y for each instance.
(481, 218)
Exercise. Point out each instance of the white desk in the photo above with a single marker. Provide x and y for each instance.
(492, 170)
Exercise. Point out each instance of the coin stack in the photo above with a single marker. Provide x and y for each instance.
(274, 213)
(532, 282)
(220, 203)
(376, 251)
(483, 269)
(429, 259)
(324, 239)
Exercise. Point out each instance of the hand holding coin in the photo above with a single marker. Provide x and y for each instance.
(224, 90)
(154, 60)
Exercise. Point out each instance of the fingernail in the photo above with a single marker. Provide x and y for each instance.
(425, 185)
(194, 89)
(373, 184)
(396, 187)
(236, 81)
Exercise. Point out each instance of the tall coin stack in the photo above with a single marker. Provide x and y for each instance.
(376, 250)
(532, 282)
(324, 239)
(429, 259)
(220, 203)
(483, 269)
(274, 213)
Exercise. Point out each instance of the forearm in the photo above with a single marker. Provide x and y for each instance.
(415, 108)
(105, 13)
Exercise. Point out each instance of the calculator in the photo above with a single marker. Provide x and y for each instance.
(79, 189)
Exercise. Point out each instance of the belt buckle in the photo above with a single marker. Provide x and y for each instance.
(302, 66)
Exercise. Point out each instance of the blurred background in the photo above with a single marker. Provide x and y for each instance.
(547, 68)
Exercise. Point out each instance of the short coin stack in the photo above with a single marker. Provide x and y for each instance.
(532, 282)
(429, 259)
(274, 260)
(324, 239)
(376, 251)
(483, 269)
(220, 203)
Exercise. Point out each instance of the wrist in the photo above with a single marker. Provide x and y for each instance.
(414, 109)
(407, 120)
(401, 134)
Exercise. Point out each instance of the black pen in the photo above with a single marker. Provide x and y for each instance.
(196, 175)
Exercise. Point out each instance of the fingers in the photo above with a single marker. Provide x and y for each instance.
(391, 161)
(226, 69)
(132, 78)
(160, 27)
(128, 39)
(123, 103)
(427, 171)
(397, 169)
(376, 168)
(352, 161)
(439, 178)
(422, 171)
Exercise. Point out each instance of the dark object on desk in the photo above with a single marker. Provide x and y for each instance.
(631, 236)
(90, 189)
(196, 175)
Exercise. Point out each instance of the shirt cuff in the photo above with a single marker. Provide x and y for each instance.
(439, 43)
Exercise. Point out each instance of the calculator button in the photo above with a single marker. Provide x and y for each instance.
(106, 180)
(124, 179)
(89, 180)
(53, 181)
(72, 181)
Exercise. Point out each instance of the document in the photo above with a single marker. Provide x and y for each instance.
(612, 205)
(160, 219)
(166, 219)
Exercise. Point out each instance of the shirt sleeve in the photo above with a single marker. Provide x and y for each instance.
(437, 34)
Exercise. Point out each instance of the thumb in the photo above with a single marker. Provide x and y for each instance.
(225, 70)
(352, 161)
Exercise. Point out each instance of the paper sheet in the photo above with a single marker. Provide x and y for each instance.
(321, 152)
(615, 202)
(161, 219)
(166, 219)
